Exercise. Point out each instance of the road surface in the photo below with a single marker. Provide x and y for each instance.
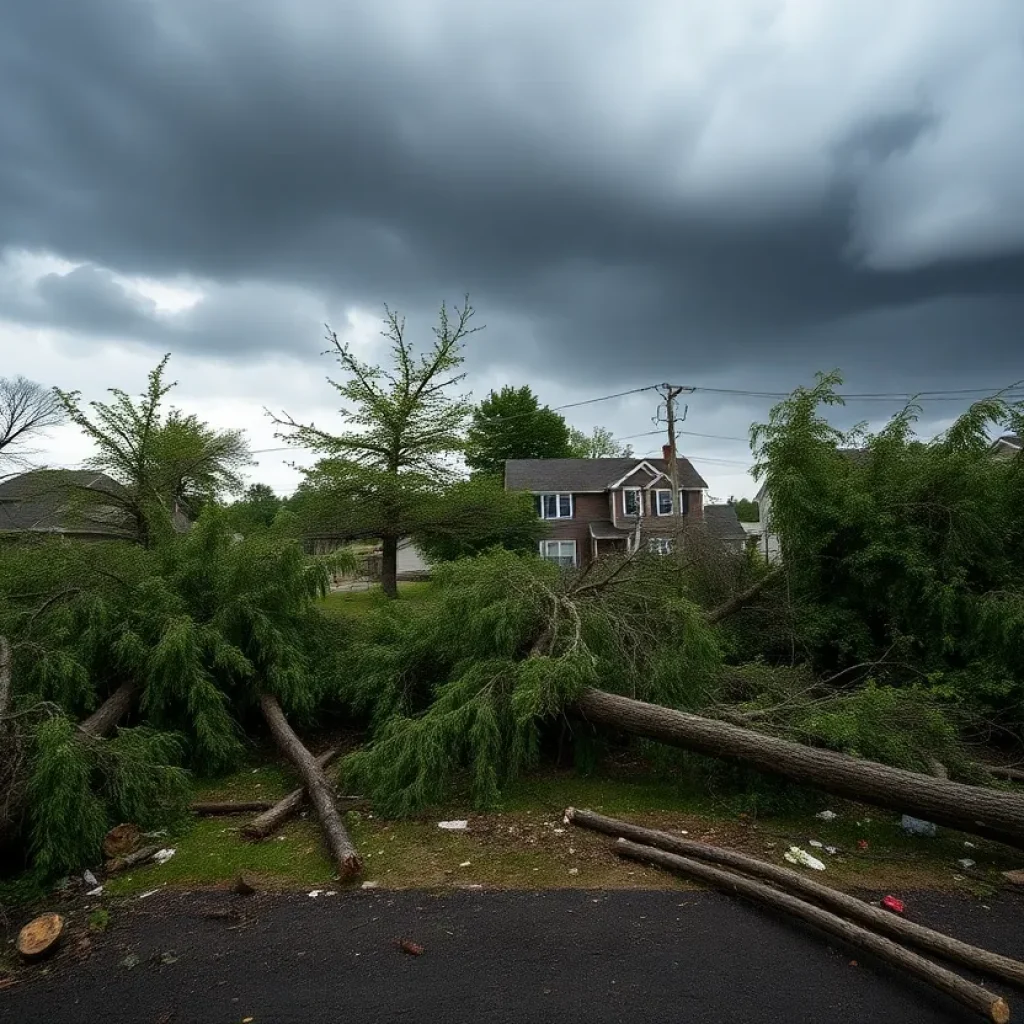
(565, 956)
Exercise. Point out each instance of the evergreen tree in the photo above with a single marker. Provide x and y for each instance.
(600, 444)
(512, 424)
(404, 426)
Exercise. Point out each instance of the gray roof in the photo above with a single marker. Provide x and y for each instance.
(580, 475)
(723, 523)
(604, 530)
(50, 501)
(1010, 439)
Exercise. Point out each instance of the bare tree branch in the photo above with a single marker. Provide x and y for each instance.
(26, 409)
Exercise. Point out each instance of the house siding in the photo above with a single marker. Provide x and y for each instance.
(586, 508)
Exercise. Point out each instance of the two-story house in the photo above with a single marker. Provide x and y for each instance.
(601, 506)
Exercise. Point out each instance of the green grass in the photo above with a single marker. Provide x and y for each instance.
(524, 844)
(359, 602)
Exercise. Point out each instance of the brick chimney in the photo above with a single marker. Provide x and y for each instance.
(666, 452)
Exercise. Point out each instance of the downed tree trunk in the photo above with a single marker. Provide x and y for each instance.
(965, 992)
(743, 598)
(986, 812)
(320, 793)
(899, 928)
(277, 814)
(210, 808)
(1011, 774)
(131, 860)
(110, 712)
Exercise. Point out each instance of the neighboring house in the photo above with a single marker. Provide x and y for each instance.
(602, 506)
(768, 542)
(411, 563)
(724, 525)
(68, 503)
(1007, 446)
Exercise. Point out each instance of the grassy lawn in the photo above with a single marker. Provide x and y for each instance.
(526, 845)
(358, 602)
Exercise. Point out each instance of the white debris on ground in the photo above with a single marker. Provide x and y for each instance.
(315, 892)
(98, 891)
(917, 827)
(163, 856)
(89, 878)
(816, 844)
(797, 856)
(966, 863)
(152, 892)
(465, 864)
(454, 826)
(370, 885)
(826, 815)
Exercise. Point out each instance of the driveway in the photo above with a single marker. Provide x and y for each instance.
(560, 956)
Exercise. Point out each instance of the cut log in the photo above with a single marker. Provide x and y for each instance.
(1010, 774)
(320, 793)
(213, 808)
(110, 712)
(965, 992)
(131, 860)
(121, 840)
(276, 815)
(742, 599)
(40, 936)
(850, 907)
(985, 812)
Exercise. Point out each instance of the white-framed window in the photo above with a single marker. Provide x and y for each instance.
(555, 506)
(561, 551)
(631, 501)
(659, 545)
(663, 502)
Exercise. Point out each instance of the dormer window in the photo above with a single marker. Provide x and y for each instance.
(631, 499)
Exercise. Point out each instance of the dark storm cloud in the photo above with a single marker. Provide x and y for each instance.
(424, 152)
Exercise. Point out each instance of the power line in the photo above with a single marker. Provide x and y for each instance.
(947, 395)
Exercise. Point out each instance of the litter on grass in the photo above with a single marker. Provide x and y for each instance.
(89, 878)
(826, 815)
(163, 856)
(966, 863)
(893, 904)
(454, 826)
(98, 891)
(797, 856)
(815, 843)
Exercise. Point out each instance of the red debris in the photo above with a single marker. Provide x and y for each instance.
(412, 948)
(862, 844)
(893, 904)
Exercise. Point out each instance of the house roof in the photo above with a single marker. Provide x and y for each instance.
(723, 523)
(1009, 441)
(581, 475)
(604, 530)
(44, 500)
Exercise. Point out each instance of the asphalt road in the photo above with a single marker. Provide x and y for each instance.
(563, 956)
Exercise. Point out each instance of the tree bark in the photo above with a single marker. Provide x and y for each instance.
(5, 678)
(744, 597)
(110, 712)
(965, 992)
(389, 567)
(212, 808)
(131, 860)
(319, 789)
(1010, 774)
(986, 812)
(276, 815)
(880, 920)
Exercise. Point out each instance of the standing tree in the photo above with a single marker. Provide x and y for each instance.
(512, 424)
(255, 510)
(375, 477)
(746, 510)
(158, 463)
(26, 408)
(601, 444)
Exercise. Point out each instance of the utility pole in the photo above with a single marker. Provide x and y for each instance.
(671, 392)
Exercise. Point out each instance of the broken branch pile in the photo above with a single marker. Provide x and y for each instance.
(780, 896)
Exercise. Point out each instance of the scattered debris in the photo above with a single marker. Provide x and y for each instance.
(412, 948)
(98, 891)
(131, 860)
(315, 892)
(815, 843)
(1014, 877)
(89, 878)
(465, 864)
(121, 840)
(969, 844)
(893, 904)
(826, 815)
(832, 850)
(918, 827)
(131, 960)
(574, 871)
(559, 831)
(245, 884)
(163, 856)
(40, 936)
(966, 863)
(370, 885)
(454, 826)
(168, 958)
(862, 844)
(797, 856)
(152, 892)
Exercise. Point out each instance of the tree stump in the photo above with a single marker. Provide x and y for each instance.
(40, 936)
(121, 840)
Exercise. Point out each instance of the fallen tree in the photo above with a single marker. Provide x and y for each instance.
(275, 815)
(985, 812)
(321, 794)
(968, 994)
(213, 808)
(883, 921)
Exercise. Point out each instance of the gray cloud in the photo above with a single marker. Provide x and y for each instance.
(729, 194)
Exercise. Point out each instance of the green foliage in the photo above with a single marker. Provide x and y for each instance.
(600, 444)
(901, 552)
(255, 511)
(159, 462)
(512, 424)
(459, 693)
(99, 920)
(78, 789)
(746, 510)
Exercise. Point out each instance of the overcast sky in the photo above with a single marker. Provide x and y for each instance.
(724, 195)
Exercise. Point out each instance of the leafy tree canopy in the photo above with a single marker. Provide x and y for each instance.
(599, 444)
(512, 424)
